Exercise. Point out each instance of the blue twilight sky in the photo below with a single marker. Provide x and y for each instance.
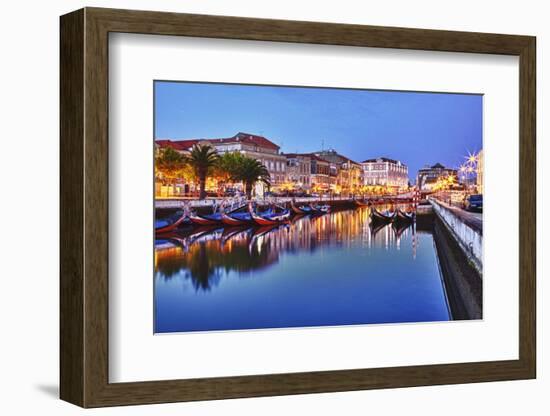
(417, 128)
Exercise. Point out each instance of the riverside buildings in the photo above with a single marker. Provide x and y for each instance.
(347, 173)
(259, 148)
(298, 171)
(385, 172)
(251, 145)
(321, 172)
(427, 177)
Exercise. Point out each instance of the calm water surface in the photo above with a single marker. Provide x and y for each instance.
(336, 269)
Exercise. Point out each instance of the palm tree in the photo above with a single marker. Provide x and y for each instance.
(251, 171)
(202, 159)
(228, 168)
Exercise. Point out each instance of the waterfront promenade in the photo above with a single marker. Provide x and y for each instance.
(474, 220)
(466, 229)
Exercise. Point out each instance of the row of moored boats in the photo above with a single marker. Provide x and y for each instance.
(252, 213)
(246, 214)
(396, 215)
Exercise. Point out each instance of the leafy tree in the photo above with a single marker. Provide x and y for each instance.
(203, 160)
(169, 165)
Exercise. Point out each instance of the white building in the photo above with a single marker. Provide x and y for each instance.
(383, 171)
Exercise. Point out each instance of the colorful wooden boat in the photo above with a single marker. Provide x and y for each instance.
(237, 218)
(405, 216)
(273, 217)
(382, 216)
(205, 219)
(320, 209)
(300, 209)
(166, 226)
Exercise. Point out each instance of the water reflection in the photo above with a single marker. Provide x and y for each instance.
(204, 252)
(225, 266)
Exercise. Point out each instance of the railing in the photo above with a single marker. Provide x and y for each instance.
(174, 203)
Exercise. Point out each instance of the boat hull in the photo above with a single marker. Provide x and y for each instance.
(230, 220)
(203, 220)
(171, 227)
(271, 221)
(321, 209)
(300, 210)
(378, 216)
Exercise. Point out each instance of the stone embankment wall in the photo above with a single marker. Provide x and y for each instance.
(469, 238)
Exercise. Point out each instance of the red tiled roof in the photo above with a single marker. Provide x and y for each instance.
(180, 145)
(293, 155)
(238, 138)
(247, 138)
(330, 154)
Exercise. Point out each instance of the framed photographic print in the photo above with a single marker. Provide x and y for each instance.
(255, 207)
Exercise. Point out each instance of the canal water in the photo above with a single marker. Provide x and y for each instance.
(336, 269)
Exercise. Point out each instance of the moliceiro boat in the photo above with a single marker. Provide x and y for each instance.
(320, 209)
(237, 218)
(300, 209)
(169, 225)
(276, 216)
(386, 216)
(206, 219)
(405, 216)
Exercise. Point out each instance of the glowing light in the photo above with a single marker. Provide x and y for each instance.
(471, 158)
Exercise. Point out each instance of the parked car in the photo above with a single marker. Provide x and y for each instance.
(473, 203)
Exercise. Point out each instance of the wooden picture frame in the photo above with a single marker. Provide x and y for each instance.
(84, 207)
